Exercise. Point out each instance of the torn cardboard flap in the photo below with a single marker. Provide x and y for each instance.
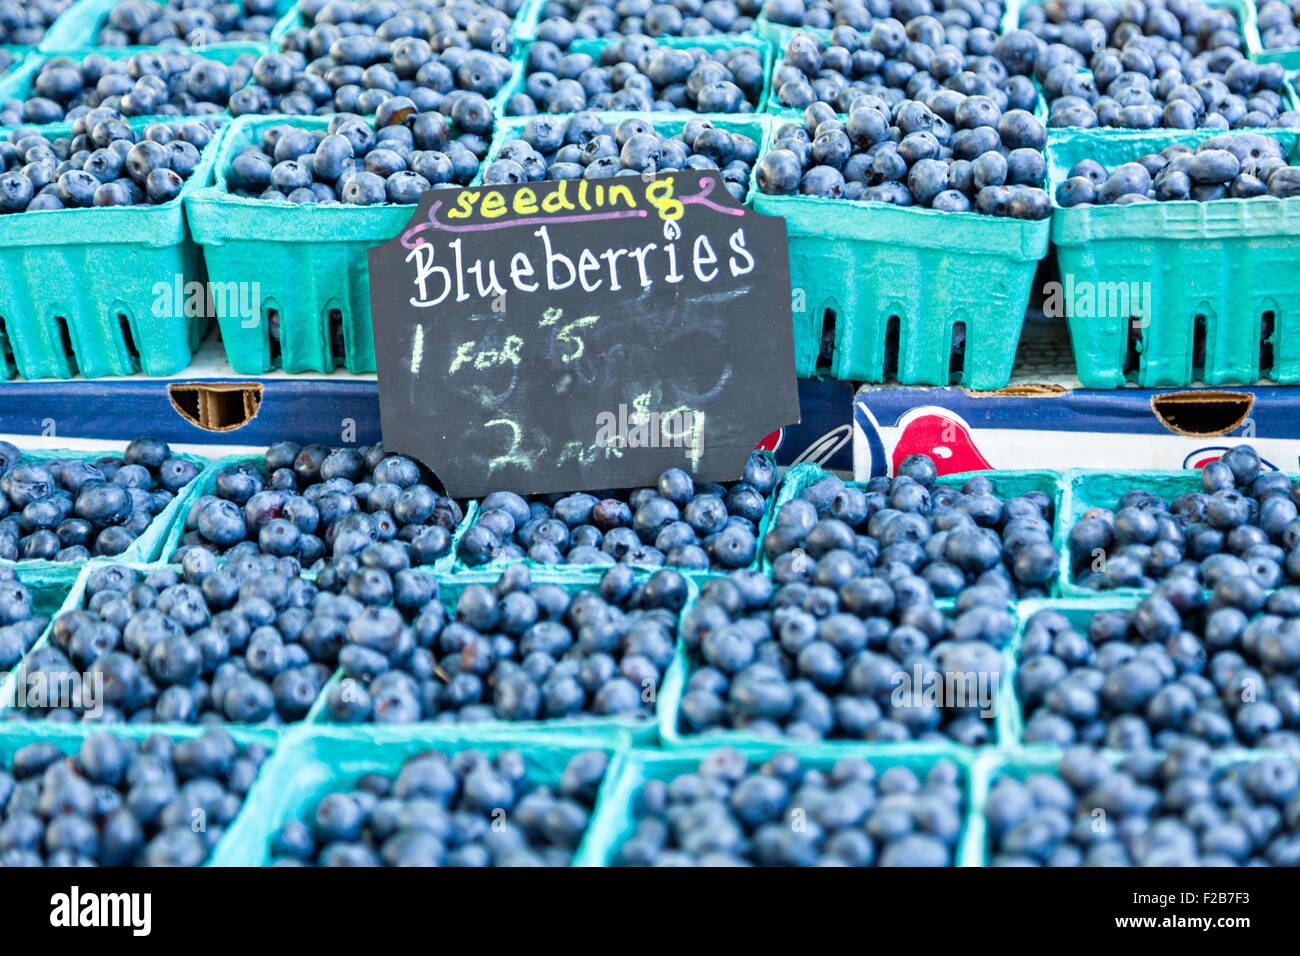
(1202, 414)
(216, 406)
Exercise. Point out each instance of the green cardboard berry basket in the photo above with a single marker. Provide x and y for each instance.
(1217, 277)
(1006, 483)
(205, 484)
(15, 736)
(1289, 57)
(143, 549)
(76, 599)
(313, 762)
(78, 29)
(778, 33)
(1084, 488)
(891, 284)
(49, 587)
(79, 288)
(616, 818)
(712, 42)
(593, 572)
(597, 731)
(308, 264)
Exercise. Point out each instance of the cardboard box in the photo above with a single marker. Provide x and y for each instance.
(1045, 419)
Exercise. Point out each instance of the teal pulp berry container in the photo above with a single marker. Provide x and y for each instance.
(90, 291)
(616, 816)
(1289, 57)
(15, 736)
(77, 599)
(306, 266)
(1006, 484)
(144, 548)
(205, 484)
(593, 572)
(78, 30)
(926, 297)
(594, 47)
(1217, 281)
(594, 731)
(311, 763)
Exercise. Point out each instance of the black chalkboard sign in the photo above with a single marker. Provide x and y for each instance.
(583, 334)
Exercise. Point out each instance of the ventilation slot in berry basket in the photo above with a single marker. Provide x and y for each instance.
(1267, 326)
(8, 364)
(893, 333)
(826, 354)
(1198, 345)
(338, 348)
(272, 317)
(957, 353)
(1133, 351)
(65, 343)
(128, 340)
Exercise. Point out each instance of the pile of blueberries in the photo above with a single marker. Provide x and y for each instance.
(121, 802)
(872, 658)
(193, 23)
(234, 645)
(585, 147)
(150, 83)
(1243, 523)
(104, 163)
(734, 812)
(1156, 810)
(1224, 670)
(1157, 63)
(310, 503)
(953, 540)
(956, 154)
(896, 61)
(563, 21)
(24, 22)
(356, 57)
(72, 509)
(677, 523)
(638, 74)
(1279, 24)
(513, 651)
(863, 14)
(443, 809)
(1229, 166)
(20, 625)
(351, 162)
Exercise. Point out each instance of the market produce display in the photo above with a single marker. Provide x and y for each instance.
(790, 668)
(115, 801)
(676, 523)
(733, 811)
(441, 810)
